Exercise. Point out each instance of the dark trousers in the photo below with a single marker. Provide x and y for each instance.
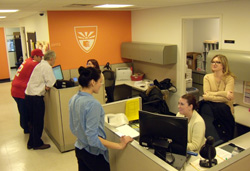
(35, 110)
(24, 119)
(90, 162)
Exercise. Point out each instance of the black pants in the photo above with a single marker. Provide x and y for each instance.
(24, 119)
(35, 110)
(90, 162)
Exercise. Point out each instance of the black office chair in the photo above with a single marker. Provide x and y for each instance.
(219, 121)
(109, 77)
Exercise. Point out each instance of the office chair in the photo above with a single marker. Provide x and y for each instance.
(220, 131)
(109, 77)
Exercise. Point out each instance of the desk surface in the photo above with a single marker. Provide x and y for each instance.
(139, 85)
(242, 141)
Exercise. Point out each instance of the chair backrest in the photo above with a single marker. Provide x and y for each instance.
(109, 77)
(207, 115)
(219, 121)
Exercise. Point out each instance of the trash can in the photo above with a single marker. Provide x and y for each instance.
(194, 91)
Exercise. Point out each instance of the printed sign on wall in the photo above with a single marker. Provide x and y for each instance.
(86, 37)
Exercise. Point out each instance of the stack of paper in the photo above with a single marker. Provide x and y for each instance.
(127, 130)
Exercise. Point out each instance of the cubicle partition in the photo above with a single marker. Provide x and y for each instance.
(56, 120)
(134, 156)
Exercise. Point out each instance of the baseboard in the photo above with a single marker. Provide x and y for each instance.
(4, 80)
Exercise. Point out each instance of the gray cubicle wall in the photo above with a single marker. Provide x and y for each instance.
(134, 156)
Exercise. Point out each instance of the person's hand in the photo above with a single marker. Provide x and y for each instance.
(124, 140)
(47, 88)
(230, 95)
(204, 96)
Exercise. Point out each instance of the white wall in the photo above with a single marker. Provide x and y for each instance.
(34, 23)
(164, 25)
(38, 24)
(190, 35)
(205, 29)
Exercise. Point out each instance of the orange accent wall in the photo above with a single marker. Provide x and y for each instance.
(113, 28)
(4, 73)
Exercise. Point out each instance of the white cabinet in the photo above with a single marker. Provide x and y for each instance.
(150, 52)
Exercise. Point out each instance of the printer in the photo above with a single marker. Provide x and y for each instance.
(123, 73)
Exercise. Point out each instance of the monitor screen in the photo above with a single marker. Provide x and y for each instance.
(58, 72)
(163, 131)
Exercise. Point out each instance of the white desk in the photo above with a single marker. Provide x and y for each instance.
(242, 141)
(139, 85)
(136, 157)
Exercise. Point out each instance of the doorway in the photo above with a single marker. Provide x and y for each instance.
(31, 41)
(195, 32)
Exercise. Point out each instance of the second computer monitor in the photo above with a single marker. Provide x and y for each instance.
(58, 72)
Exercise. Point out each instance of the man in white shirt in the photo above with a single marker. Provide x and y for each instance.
(41, 80)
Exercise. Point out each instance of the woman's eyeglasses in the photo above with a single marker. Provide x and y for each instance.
(216, 62)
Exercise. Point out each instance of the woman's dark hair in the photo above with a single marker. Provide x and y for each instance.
(191, 100)
(88, 74)
(95, 63)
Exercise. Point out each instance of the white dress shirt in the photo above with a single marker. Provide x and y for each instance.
(41, 76)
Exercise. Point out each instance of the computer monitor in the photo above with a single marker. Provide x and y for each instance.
(58, 72)
(163, 133)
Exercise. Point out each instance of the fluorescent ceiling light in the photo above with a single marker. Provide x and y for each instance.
(2, 16)
(112, 6)
(5, 11)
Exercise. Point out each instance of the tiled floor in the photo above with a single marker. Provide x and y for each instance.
(14, 156)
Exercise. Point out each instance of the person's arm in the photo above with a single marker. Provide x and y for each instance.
(219, 96)
(229, 83)
(49, 78)
(198, 134)
(93, 120)
(123, 142)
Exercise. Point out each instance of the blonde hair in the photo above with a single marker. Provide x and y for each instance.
(224, 62)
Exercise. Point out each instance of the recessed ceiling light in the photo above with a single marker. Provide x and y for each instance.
(2, 16)
(5, 10)
(112, 6)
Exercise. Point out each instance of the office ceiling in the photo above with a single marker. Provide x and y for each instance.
(32, 7)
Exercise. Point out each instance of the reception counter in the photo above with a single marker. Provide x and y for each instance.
(134, 156)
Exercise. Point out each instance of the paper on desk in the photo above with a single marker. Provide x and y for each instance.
(132, 109)
(127, 130)
(223, 154)
(196, 163)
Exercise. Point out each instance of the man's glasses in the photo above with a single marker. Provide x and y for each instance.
(216, 62)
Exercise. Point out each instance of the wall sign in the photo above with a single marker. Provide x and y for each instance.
(86, 37)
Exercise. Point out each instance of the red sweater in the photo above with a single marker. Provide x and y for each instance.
(22, 77)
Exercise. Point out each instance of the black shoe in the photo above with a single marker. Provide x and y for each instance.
(42, 147)
(29, 147)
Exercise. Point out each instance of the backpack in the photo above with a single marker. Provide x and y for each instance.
(152, 101)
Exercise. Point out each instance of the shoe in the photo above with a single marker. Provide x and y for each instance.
(42, 147)
(29, 147)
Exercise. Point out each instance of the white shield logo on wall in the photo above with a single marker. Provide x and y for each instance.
(86, 37)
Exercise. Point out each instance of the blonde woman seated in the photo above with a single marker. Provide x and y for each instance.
(196, 125)
(217, 103)
(219, 85)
